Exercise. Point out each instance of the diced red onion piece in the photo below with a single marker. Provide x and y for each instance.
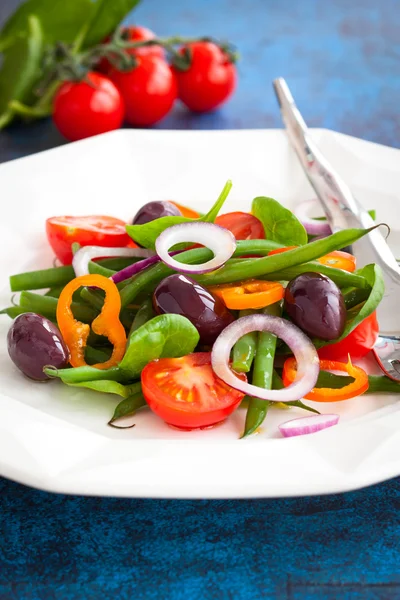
(218, 239)
(312, 226)
(306, 425)
(137, 267)
(304, 352)
(82, 258)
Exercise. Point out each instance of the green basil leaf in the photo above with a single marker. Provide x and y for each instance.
(110, 387)
(280, 224)
(165, 336)
(373, 274)
(146, 235)
(21, 68)
(127, 408)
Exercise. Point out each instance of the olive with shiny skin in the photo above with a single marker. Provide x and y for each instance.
(316, 305)
(155, 210)
(34, 342)
(181, 295)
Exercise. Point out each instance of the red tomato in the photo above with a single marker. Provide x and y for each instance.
(149, 90)
(186, 393)
(95, 230)
(85, 108)
(357, 344)
(135, 33)
(244, 226)
(210, 78)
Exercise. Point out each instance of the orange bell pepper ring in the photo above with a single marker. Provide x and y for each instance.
(358, 387)
(107, 323)
(337, 259)
(249, 294)
(186, 211)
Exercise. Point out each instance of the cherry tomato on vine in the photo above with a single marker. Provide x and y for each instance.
(210, 78)
(93, 230)
(85, 108)
(135, 33)
(149, 90)
(186, 393)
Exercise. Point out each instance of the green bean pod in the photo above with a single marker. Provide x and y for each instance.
(245, 349)
(47, 307)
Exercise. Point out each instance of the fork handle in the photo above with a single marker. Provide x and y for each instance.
(338, 202)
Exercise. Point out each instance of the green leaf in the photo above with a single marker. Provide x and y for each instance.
(165, 336)
(146, 235)
(65, 20)
(377, 383)
(280, 224)
(127, 408)
(21, 68)
(110, 387)
(373, 274)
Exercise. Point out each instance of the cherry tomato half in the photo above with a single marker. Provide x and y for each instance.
(134, 33)
(244, 226)
(357, 344)
(149, 90)
(85, 108)
(94, 230)
(186, 393)
(210, 78)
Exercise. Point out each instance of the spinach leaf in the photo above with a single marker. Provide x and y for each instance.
(280, 224)
(21, 69)
(110, 387)
(127, 408)
(373, 274)
(67, 20)
(146, 235)
(165, 336)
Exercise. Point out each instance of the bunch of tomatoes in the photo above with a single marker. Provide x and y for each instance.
(107, 96)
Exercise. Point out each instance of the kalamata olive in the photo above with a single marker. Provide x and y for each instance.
(178, 294)
(155, 210)
(315, 304)
(34, 342)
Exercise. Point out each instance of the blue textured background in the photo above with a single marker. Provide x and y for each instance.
(342, 60)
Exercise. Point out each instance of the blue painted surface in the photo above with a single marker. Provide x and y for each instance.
(342, 60)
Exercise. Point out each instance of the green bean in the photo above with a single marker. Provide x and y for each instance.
(81, 374)
(55, 291)
(13, 311)
(245, 348)
(37, 280)
(144, 314)
(96, 299)
(340, 277)
(127, 408)
(262, 373)
(353, 297)
(96, 269)
(47, 307)
(118, 263)
(282, 261)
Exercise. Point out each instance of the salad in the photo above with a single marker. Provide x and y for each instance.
(195, 315)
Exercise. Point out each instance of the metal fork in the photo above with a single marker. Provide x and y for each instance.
(342, 211)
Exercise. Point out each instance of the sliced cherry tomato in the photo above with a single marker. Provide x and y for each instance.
(210, 78)
(186, 211)
(148, 90)
(249, 294)
(337, 259)
(358, 387)
(134, 33)
(358, 343)
(244, 226)
(186, 393)
(94, 230)
(85, 108)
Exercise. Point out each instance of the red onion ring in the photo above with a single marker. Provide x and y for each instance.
(218, 239)
(304, 352)
(137, 267)
(306, 425)
(82, 258)
(312, 226)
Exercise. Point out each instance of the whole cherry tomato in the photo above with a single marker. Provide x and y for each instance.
(210, 78)
(86, 108)
(149, 90)
(135, 33)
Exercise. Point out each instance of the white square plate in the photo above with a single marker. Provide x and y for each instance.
(56, 438)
